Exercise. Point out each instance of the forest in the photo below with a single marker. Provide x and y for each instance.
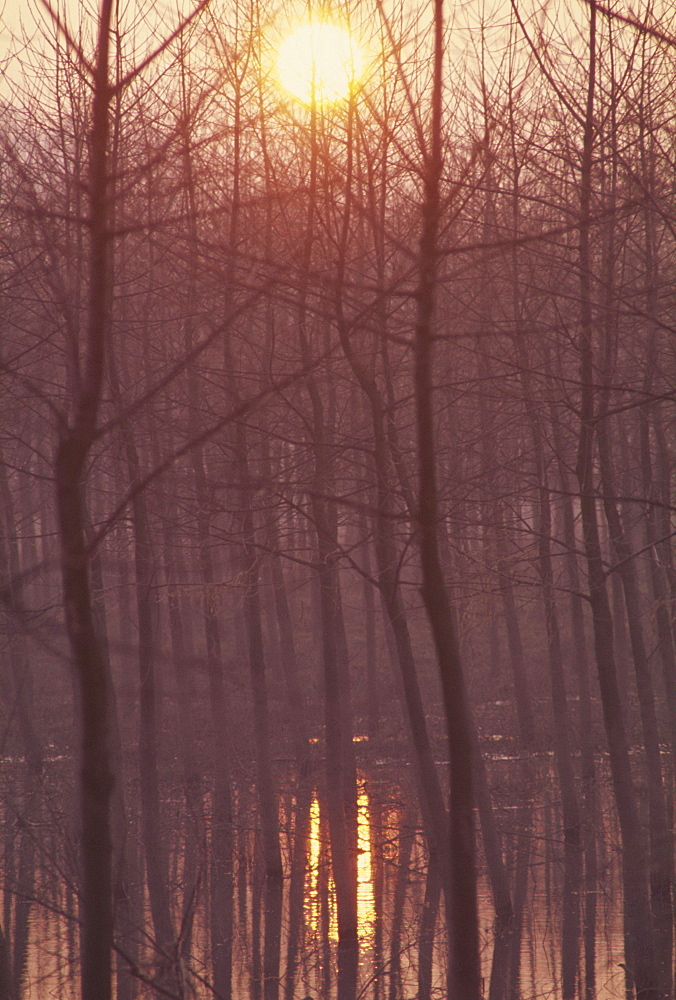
(337, 584)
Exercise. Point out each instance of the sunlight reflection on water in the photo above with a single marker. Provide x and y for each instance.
(319, 855)
(391, 865)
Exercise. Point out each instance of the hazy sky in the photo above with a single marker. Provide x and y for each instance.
(26, 23)
(26, 29)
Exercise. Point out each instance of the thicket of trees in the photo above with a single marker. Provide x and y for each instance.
(274, 380)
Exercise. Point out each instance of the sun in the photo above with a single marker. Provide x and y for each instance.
(319, 62)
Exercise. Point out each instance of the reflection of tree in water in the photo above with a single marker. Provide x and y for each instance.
(402, 949)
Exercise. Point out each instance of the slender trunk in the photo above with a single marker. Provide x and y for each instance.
(370, 652)
(571, 813)
(658, 541)
(660, 590)
(464, 964)
(221, 867)
(522, 871)
(254, 628)
(182, 655)
(497, 872)
(433, 806)
(341, 786)
(267, 797)
(427, 924)
(405, 845)
(287, 643)
(221, 859)
(572, 832)
(146, 612)
(661, 847)
(96, 774)
(6, 989)
(343, 848)
(297, 884)
(524, 707)
(124, 871)
(25, 895)
(19, 660)
(585, 723)
(636, 900)
(258, 881)
(378, 869)
(274, 889)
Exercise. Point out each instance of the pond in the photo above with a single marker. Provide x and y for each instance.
(285, 946)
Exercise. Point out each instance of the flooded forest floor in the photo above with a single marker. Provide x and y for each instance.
(286, 948)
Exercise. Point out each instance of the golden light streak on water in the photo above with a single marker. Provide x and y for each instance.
(317, 858)
(312, 878)
(366, 904)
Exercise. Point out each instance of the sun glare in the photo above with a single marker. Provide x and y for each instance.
(319, 61)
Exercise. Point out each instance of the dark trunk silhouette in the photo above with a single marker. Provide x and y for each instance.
(462, 919)
(156, 864)
(641, 960)
(521, 688)
(76, 439)
(661, 842)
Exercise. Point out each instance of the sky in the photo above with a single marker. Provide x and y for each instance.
(26, 29)
(25, 24)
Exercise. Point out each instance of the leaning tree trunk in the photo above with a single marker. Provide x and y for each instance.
(434, 809)
(387, 557)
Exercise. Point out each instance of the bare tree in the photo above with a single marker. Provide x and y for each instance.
(461, 893)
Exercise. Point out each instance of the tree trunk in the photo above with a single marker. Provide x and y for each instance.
(298, 868)
(464, 965)
(524, 708)
(370, 651)
(340, 773)
(222, 844)
(636, 901)
(287, 643)
(661, 844)
(267, 797)
(19, 660)
(146, 610)
(96, 774)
